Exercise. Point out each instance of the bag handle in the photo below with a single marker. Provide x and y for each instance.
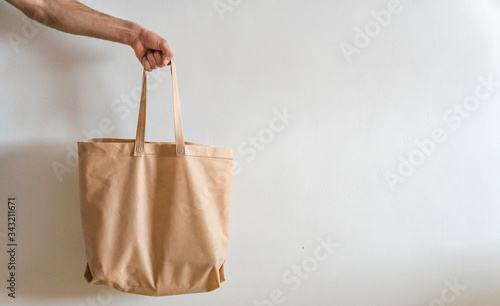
(141, 122)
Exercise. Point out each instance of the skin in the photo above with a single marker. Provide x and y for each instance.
(73, 17)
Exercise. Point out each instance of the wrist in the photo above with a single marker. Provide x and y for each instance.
(132, 33)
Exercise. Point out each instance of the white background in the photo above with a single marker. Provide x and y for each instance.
(320, 176)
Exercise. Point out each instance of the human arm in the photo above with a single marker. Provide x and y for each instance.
(73, 17)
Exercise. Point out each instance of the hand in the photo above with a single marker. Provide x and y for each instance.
(151, 49)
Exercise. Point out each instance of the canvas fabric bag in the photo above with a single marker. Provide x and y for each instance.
(155, 215)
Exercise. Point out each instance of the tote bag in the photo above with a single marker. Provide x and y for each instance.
(155, 215)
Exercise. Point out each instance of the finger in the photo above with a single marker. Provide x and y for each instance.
(146, 64)
(157, 56)
(167, 53)
(151, 59)
(166, 58)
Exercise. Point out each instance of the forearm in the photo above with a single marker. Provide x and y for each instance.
(73, 17)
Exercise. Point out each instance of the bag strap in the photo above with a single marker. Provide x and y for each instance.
(141, 122)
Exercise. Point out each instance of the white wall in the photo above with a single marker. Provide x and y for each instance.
(322, 177)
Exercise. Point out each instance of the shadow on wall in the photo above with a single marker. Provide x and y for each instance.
(51, 256)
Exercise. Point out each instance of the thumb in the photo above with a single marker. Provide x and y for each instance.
(167, 53)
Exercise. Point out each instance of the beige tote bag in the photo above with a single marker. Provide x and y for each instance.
(155, 215)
